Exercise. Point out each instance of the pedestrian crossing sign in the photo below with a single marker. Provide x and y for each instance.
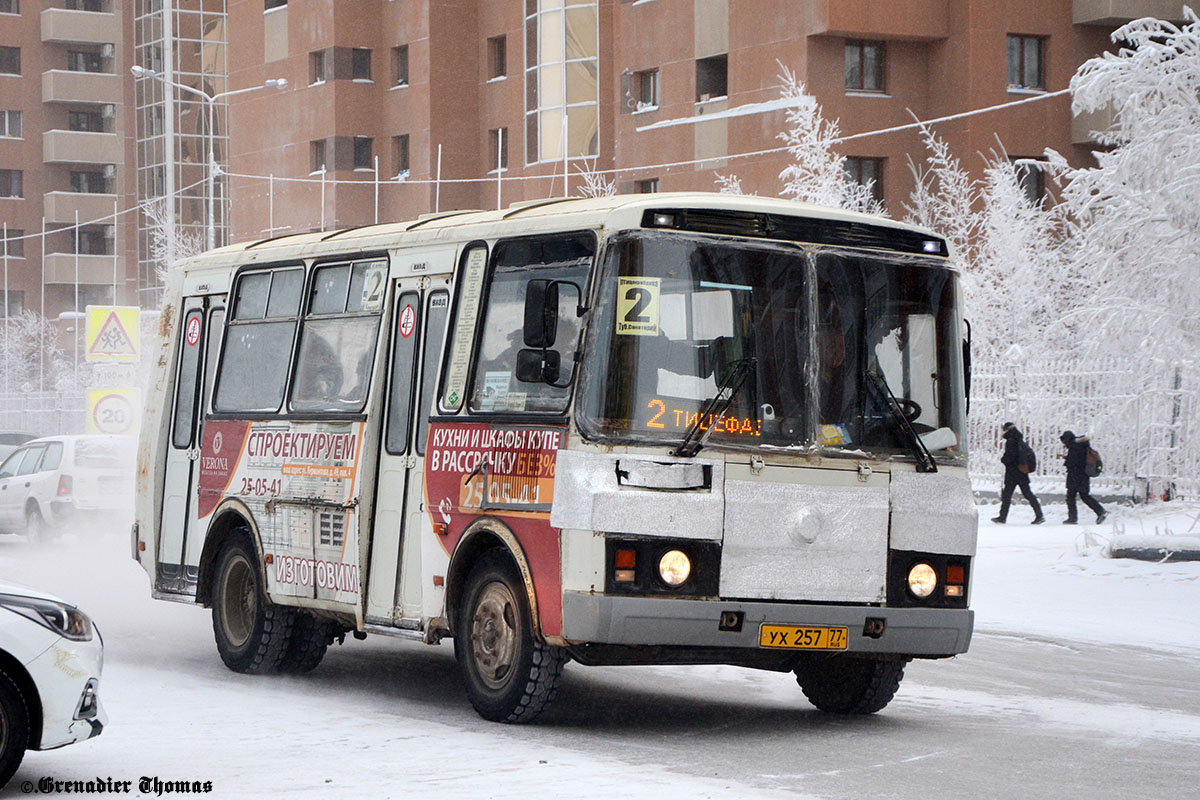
(112, 333)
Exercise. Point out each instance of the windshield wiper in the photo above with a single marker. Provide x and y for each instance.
(925, 462)
(716, 408)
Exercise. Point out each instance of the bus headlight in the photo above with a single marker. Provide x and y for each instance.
(674, 567)
(922, 580)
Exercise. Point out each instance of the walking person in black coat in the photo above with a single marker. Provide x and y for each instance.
(1078, 482)
(1014, 476)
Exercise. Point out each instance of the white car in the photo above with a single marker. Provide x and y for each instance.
(48, 483)
(50, 660)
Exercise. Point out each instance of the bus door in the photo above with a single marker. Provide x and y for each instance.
(418, 328)
(183, 453)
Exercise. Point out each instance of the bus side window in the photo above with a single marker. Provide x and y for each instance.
(253, 371)
(185, 387)
(566, 258)
(406, 333)
(435, 333)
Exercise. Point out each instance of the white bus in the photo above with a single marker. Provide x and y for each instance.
(649, 429)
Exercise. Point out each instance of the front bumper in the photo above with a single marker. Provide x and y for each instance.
(62, 675)
(621, 620)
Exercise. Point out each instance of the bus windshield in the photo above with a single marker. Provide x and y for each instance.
(677, 315)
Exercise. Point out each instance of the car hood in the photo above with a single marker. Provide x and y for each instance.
(8, 587)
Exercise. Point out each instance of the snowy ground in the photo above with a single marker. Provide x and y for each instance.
(1081, 682)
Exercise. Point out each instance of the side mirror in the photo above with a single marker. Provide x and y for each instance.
(541, 313)
(538, 366)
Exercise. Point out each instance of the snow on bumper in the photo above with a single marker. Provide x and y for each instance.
(68, 678)
(928, 632)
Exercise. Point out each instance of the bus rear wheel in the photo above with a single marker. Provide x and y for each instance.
(252, 633)
(845, 685)
(509, 675)
(310, 639)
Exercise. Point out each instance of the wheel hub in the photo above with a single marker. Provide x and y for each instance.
(494, 634)
(240, 602)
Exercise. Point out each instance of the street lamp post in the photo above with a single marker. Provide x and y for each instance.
(209, 104)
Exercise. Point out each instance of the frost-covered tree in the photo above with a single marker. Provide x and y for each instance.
(595, 184)
(817, 173)
(169, 243)
(1135, 213)
(729, 184)
(29, 353)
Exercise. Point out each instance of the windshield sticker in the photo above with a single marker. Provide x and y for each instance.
(834, 435)
(637, 306)
(495, 390)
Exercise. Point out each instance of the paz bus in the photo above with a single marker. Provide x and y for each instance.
(647, 429)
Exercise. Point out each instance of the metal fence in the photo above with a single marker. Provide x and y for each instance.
(1139, 413)
(43, 413)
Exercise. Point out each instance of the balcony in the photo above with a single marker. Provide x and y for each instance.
(62, 206)
(66, 86)
(912, 20)
(1112, 13)
(1082, 125)
(65, 26)
(80, 147)
(60, 268)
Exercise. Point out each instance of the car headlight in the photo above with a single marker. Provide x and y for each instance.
(67, 621)
(674, 567)
(922, 580)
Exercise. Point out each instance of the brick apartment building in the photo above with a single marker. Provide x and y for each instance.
(386, 96)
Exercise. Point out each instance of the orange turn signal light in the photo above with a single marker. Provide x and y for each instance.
(955, 573)
(625, 559)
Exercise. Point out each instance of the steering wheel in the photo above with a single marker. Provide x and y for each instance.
(911, 409)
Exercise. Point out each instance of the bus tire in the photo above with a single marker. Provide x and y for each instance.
(509, 675)
(252, 633)
(14, 728)
(310, 639)
(844, 685)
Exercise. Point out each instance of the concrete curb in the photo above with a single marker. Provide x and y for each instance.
(1162, 548)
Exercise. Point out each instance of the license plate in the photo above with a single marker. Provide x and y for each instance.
(802, 637)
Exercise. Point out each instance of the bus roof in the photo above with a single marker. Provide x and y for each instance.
(617, 212)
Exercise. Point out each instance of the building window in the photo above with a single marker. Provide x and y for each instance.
(399, 65)
(93, 242)
(497, 57)
(1025, 57)
(646, 186)
(1031, 179)
(81, 61)
(864, 65)
(86, 5)
(712, 77)
(316, 151)
(10, 60)
(400, 153)
(14, 302)
(646, 87)
(10, 183)
(498, 149)
(360, 64)
(10, 124)
(362, 152)
(86, 121)
(866, 172)
(10, 7)
(561, 80)
(316, 67)
(89, 182)
(16, 243)
(269, 4)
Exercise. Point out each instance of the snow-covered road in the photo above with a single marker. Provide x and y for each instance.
(1082, 681)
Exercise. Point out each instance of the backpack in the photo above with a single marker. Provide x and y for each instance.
(1027, 459)
(1093, 465)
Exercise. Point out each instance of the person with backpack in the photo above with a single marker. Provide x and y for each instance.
(1018, 460)
(1082, 463)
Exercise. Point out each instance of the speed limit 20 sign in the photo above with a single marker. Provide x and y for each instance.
(113, 411)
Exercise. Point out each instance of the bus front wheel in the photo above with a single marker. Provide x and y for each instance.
(252, 633)
(509, 675)
(844, 685)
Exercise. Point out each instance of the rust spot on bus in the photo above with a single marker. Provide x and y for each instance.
(165, 319)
